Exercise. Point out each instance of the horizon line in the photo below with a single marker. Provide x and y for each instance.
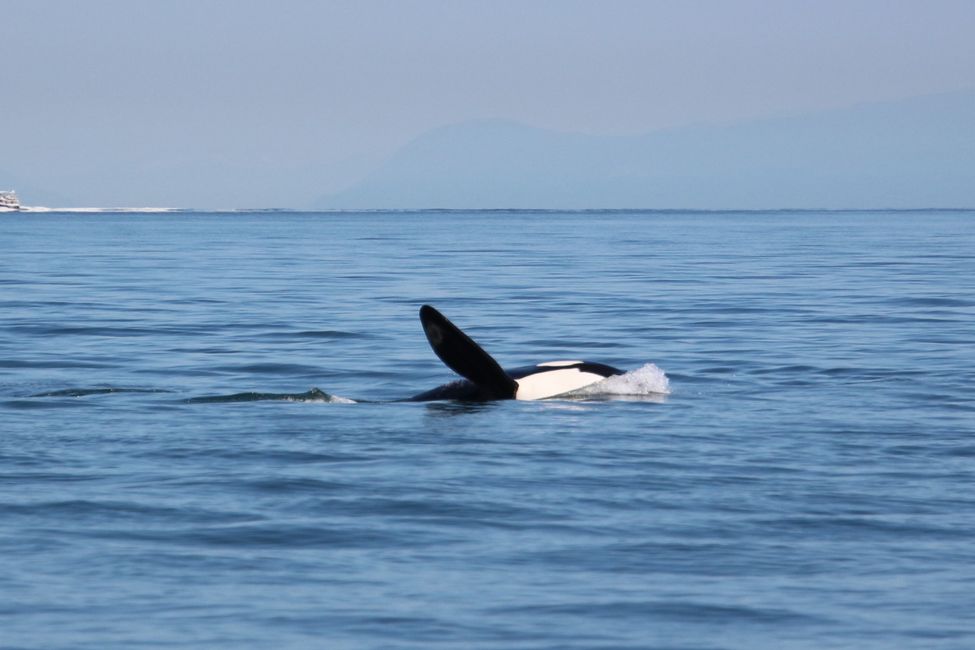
(160, 209)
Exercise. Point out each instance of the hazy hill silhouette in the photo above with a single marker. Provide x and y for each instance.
(918, 152)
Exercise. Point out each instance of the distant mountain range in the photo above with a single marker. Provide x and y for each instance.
(914, 153)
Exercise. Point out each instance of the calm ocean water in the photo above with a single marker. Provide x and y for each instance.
(174, 473)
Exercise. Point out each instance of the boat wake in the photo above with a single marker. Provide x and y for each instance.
(147, 210)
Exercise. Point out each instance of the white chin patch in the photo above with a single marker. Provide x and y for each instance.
(559, 364)
(550, 383)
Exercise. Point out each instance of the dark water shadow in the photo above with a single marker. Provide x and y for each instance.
(105, 390)
(455, 407)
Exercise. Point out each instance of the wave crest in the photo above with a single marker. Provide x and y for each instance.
(647, 381)
(313, 395)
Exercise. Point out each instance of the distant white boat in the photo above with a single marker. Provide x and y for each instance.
(9, 201)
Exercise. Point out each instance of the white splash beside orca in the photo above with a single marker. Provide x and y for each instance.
(485, 379)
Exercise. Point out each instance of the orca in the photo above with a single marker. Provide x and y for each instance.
(485, 380)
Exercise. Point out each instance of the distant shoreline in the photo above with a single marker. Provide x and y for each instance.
(160, 210)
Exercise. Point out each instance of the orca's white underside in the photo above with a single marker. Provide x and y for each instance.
(555, 381)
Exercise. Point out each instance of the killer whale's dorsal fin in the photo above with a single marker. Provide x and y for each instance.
(465, 357)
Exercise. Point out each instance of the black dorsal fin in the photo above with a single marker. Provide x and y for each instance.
(465, 357)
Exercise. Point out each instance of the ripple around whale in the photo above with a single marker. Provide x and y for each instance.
(106, 390)
(313, 395)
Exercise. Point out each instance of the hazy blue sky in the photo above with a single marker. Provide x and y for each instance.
(235, 102)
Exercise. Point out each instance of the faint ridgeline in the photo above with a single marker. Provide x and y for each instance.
(9, 201)
(911, 153)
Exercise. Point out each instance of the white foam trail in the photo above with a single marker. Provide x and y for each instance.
(320, 397)
(40, 208)
(337, 399)
(328, 399)
(646, 381)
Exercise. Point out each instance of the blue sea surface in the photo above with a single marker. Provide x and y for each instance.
(200, 445)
